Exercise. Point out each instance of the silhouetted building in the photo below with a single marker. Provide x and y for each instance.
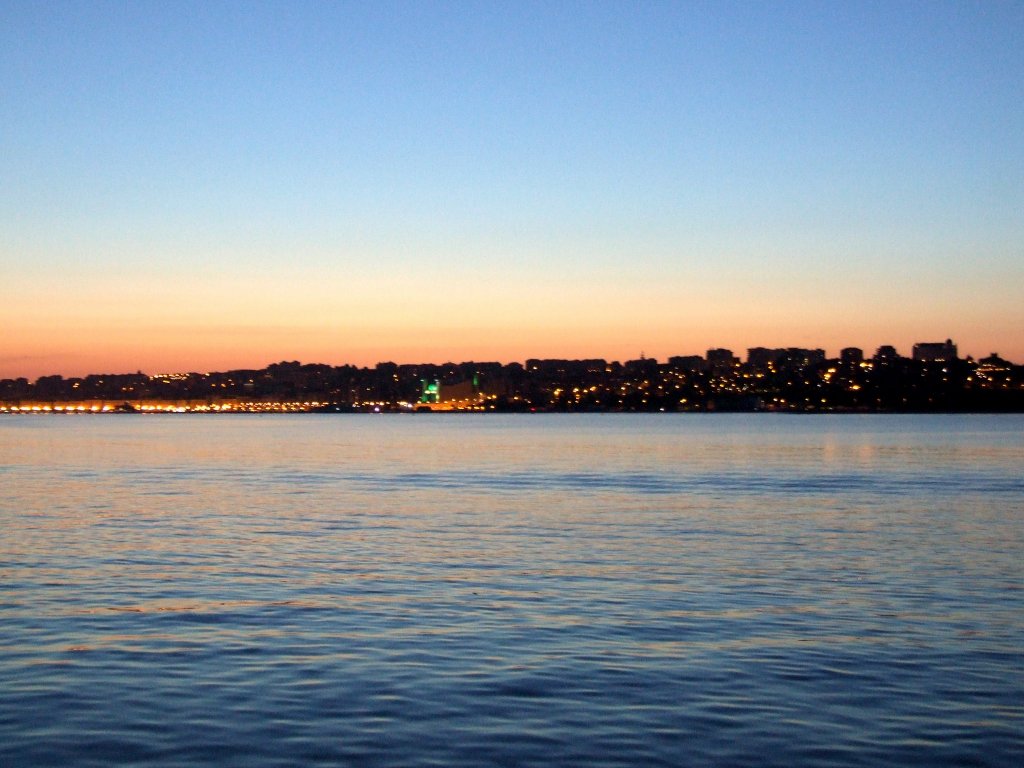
(762, 358)
(886, 353)
(935, 352)
(555, 367)
(463, 390)
(721, 358)
(851, 356)
(798, 357)
(645, 365)
(688, 363)
(994, 363)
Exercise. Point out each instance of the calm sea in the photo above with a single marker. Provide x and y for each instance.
(418, 590)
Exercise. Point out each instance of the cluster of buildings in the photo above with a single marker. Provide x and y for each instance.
(933, 378)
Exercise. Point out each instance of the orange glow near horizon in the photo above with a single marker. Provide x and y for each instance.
(714, 178)
(114, 324)
(170, 352)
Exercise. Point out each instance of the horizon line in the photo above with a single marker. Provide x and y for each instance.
(880, 352)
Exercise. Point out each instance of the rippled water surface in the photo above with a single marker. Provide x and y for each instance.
(522, 590)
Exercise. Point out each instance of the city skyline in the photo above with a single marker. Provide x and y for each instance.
(921, 351)
(208, 186)
(790, 380)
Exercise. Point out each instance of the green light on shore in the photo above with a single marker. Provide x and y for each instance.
(431, 392)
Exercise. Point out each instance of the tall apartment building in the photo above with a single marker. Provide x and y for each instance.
(935, 351)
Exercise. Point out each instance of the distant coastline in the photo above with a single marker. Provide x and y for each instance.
(786, 380)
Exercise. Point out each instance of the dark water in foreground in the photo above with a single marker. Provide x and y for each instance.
(464, 591)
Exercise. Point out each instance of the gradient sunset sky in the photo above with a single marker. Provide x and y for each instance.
(205, 186)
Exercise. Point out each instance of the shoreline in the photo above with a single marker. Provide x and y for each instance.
(343, 409)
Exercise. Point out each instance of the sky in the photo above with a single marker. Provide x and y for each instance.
(215, 185)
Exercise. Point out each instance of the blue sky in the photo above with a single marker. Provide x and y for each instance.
(217, 184)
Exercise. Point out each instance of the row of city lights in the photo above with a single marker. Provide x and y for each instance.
(247, 407)
(164, 408)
